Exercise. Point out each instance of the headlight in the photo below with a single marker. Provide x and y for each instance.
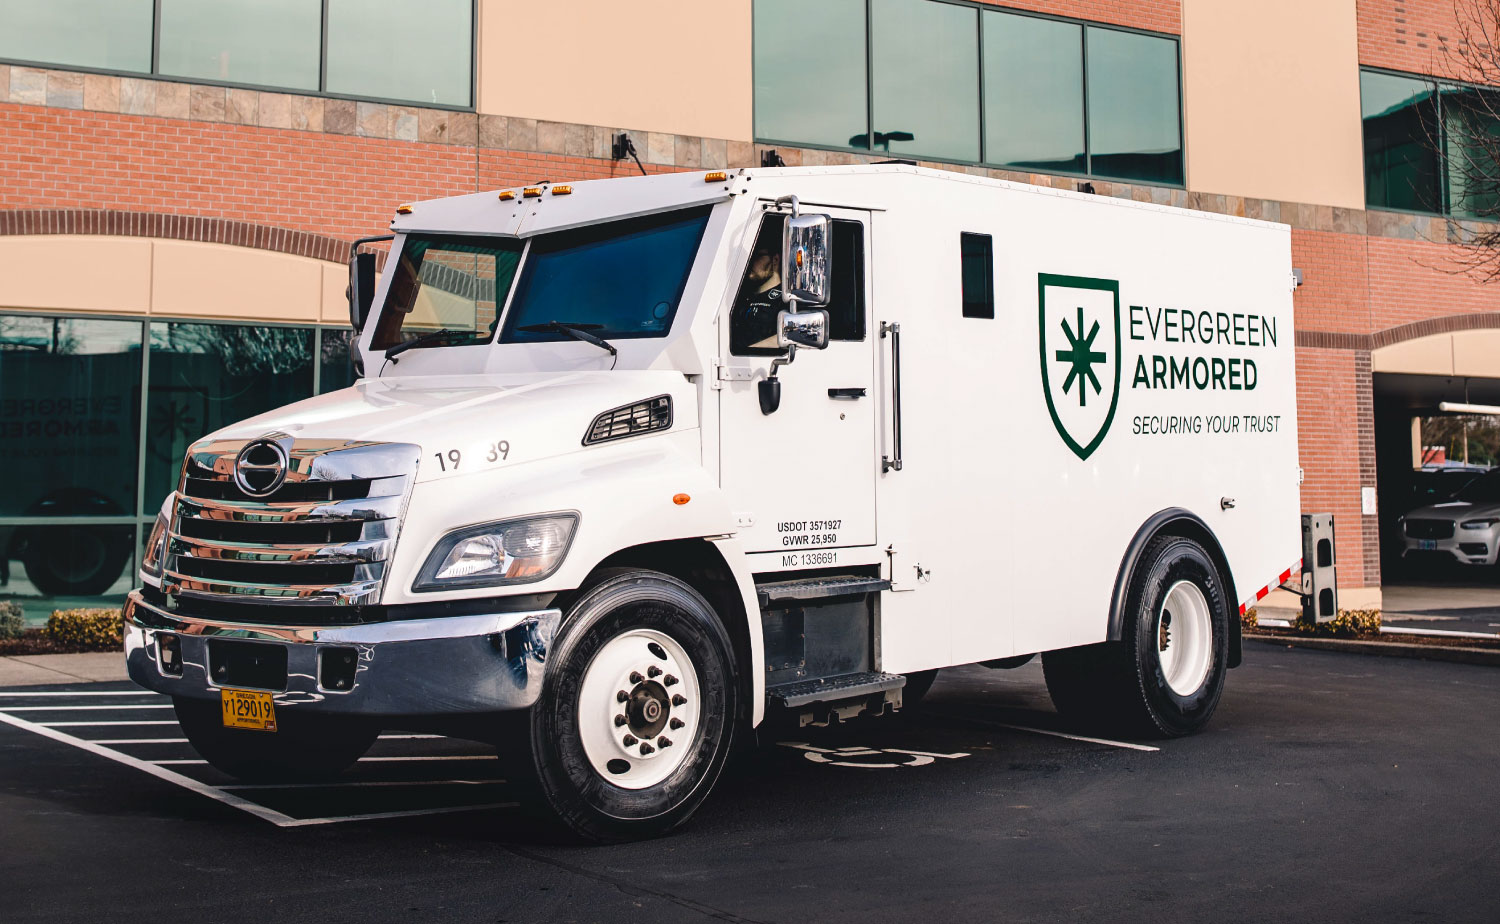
(1479, 524)
(156, 549)
(491, 554)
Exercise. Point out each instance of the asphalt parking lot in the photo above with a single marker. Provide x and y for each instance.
(1329, 787)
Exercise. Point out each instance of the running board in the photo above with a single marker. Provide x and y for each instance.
(782, 593)
(826, 689)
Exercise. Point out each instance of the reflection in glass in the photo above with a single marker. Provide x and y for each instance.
(1033, 93)
(112, 36)
(69, 415)
(266, 42)
(394, 49)
(45, 567)
(810, 71)
(335, 366)
(925, 71)
(1134, 130)
(1471, 142)
(204, 376)
(1401, 165)
(443, 283)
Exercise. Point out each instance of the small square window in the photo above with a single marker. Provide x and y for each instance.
(978, 275)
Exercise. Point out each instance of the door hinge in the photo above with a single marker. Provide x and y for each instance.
(723, 373)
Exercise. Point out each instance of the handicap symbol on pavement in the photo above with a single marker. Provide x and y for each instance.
(860, 756)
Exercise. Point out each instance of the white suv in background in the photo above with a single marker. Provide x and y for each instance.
(1466, 526)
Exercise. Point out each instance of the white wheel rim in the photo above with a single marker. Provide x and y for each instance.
(1184, 638)
(646, 679)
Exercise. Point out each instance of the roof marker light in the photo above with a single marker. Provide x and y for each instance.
(507, 194)
(715, 176)
(403, 210)
(532, 192)
(561, 190)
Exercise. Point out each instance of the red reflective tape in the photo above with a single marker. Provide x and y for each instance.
(1285, 576)
(1242, 609)
(1259, 594)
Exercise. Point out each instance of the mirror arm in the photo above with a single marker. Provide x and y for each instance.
(792, 201)
(791, 354)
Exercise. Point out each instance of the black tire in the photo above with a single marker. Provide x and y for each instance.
(84, 561)
(1120, 686)
(548, 760)
(303, 748)
(917, 685)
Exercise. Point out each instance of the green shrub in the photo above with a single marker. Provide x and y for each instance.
(1249, 619)
(1347, 624)
(87, 630)
(12, 620)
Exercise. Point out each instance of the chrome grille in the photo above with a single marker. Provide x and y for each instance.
(323, 537)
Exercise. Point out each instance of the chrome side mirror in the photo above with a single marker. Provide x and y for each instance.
(802, 329)
(806, 258)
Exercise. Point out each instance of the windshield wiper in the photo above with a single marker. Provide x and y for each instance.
(579, 332)
(392, 352)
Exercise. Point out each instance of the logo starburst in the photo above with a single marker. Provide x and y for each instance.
(1082, 356)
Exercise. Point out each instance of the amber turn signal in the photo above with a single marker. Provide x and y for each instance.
(680, 499)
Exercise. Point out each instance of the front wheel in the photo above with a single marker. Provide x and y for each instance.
(1165, 676)
(636, 712)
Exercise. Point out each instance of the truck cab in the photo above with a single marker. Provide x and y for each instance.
(624, 470)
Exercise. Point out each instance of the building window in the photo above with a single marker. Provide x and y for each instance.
(949, 81)
(369, 49)
(977, 268)
(924, 77)
(84, 488)
(112, 36)
(1033, 93)
(1430, 145)
(819, 98)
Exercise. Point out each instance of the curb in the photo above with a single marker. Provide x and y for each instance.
(1489, 657)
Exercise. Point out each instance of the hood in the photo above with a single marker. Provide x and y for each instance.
(474, 422)
(1456, 511)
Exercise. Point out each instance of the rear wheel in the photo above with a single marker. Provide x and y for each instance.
(304, 747)
(1165, 676)
(636, 713)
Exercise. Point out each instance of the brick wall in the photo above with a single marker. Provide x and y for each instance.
(1336, 448)
(1410, 35)
(1156, 15)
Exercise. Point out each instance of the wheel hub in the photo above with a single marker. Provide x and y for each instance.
(1184, 638)
(638, 708)
(647, 709)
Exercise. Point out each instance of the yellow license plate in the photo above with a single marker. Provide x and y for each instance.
(248, 709)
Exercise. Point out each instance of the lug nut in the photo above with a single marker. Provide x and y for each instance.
(620, 720)
(664, 742)
(635, 677)
(669, 680)
(621, 696)
(647, 749)
(678, 699)
(630, 740)
(676, 724)
(653, 671)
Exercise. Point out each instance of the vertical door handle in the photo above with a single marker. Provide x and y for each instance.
(892, 462)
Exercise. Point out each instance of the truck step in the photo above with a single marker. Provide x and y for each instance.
(781, 593)
(826, 689)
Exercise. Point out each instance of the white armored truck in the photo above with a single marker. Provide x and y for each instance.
(634, 464)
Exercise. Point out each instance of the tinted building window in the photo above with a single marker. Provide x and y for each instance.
(1134, 129)
(267, 42)
(204, 376)
(82, 33)
(394, 49)
(925, 79)
(1471, 140)
(810, 98)
(1400, 129)
(1033, 93)
(335, 366)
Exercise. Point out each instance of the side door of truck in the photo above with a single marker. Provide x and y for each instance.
(801, 480)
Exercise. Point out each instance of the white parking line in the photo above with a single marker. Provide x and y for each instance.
(139, 740)
(86, 724)
(1128, 745)
(376, 816)
(110, 708)
(81, 693)
(360, 784)
(189, 763)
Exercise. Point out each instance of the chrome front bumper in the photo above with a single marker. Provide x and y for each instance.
(441, 666)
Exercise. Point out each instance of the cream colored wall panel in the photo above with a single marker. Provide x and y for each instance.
(76, 273)
(1424, 356)
(1271, 100)
(677, 66)
(1477, 352)
(223, 281)
(335, 309)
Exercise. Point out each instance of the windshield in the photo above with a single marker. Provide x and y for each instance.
(618, 280)
(1482, 490)
(447, 283)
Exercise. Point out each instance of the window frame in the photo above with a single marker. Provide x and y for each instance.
(155, 71)
(1436, 85)
(984, 7)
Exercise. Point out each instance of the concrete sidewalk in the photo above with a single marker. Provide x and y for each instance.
(34, 670)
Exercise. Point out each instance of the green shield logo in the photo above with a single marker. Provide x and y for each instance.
(1079, 330)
